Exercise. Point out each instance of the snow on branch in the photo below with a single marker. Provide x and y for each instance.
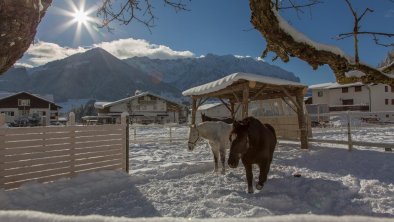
(286, 42)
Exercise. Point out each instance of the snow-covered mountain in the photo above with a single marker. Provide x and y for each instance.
(189, 72)
(97, 74)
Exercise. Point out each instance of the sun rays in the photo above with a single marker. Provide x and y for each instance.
(82, 19)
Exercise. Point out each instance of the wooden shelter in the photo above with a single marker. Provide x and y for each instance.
(238, 89)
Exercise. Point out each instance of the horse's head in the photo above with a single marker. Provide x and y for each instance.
(239, 142)
(194, 136)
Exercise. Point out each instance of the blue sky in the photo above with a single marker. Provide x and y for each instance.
(213, 26)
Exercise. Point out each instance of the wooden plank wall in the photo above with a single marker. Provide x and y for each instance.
(286, 127)
(47, 153)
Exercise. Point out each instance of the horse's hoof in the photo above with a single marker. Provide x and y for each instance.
(259, 186)
(250, 190)
(223, 172)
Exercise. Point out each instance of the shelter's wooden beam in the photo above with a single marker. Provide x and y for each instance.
(245, 102)
(226, 105)
(292, 107)
(291, 97)
(232, 111)
(202, 101)
(194, 110)
(302, 120)
(258, 93)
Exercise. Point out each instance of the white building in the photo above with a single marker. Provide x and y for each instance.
(144, 108)
(354, 97)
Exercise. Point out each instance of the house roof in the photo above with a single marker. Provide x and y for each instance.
(48, 98)
(334, 85)
(102, 105)
(232, 78)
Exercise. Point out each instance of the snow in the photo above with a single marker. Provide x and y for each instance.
(166, 181)
(300, 37)
(334, 85)
(230, 79)
(354, 73)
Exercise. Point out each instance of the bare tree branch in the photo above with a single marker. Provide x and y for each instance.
(264, 18)
(133, 10)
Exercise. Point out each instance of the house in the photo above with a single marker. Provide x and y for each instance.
(144, 108)
(354, 97)
(24, 105)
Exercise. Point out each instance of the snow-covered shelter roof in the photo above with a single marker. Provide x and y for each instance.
(102, 105)
(257, 84)
(208, 106)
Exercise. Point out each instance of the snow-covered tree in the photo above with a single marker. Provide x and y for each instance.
(18, 23)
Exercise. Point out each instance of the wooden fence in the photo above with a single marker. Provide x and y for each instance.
(47, 153)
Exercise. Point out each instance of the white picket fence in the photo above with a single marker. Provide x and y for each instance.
(47, 153)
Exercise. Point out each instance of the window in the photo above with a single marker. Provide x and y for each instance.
(23, 112)
(347, 102)
(23, 102)
(386, 88)
(386, 101)
(392, 89)
(357, 88)
(392, 101)
(320, 93)
(8, 113)
(345, 90)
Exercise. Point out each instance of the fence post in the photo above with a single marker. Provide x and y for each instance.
(170, 135)
(2, 120)
(125, 122)
(71, 119)
(2, 147)
(71, 122)
(349, 133)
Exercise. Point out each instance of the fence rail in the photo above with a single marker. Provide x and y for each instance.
(47, 153)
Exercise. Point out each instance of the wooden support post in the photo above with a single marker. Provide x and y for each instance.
(124, 121)
(194, 110)
(302, 120)
(245, 102)
(232, 110)
(349, 133)
(71, 122)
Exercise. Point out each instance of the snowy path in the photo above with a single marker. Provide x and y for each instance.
(167, 180)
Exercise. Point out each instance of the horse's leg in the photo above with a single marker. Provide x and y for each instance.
(264, 169)
(223, 158)
(249, 176)
(215, 153)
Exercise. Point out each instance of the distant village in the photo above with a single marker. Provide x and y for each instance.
(27, 109)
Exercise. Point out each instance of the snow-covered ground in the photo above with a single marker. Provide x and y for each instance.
(166, 180)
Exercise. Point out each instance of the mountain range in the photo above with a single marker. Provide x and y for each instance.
(97, 74)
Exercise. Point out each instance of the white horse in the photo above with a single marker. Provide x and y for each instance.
(217, 134)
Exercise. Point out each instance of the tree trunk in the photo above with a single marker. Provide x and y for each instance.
(19, 21)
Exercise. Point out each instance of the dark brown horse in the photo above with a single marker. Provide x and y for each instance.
(205, 118)
(253, 143)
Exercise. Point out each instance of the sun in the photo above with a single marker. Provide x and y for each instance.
(80, 16)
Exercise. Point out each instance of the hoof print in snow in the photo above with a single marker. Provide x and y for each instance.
(297, 175)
